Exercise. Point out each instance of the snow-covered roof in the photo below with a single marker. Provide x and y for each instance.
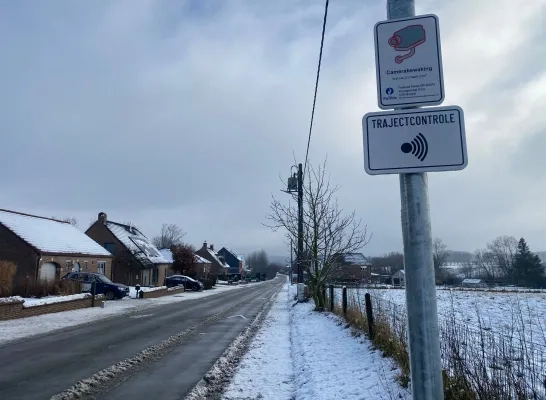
(214, 256)
(354, 258)
(168, 255)
(135, 240)
(49, 235)
(472, 281)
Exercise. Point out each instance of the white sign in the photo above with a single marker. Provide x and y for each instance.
(419, 140)
(408, 62)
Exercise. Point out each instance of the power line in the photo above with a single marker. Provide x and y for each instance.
(316, 85)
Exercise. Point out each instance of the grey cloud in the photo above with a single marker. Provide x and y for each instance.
(178, 112)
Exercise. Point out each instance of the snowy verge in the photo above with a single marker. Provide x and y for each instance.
(33, 302)
(265, 372)
(215, 380)
(331, 362)
(12, 299)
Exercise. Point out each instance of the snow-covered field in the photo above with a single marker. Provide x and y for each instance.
(26, 327)
(501, 312)
(300, 354)
(503, 332)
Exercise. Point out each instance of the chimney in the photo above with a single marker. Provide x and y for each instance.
(102, 218)
(212, 247)
(205, 244)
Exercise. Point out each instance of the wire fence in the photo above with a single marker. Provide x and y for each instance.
(478, 362)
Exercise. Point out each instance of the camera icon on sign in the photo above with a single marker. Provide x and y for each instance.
(407, 39)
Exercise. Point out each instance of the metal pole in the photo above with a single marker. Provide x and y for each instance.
(300, 223)
(423, 332)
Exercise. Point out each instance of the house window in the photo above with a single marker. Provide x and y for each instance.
(155, 275)
(110, 247)
(85, 267)
(68, 265)
(101, 267)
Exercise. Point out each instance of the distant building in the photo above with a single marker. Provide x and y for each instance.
(399, 278)
(474, 283)
(219, 266)
(352, 267)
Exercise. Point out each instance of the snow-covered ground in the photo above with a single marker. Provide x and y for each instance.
(26, 327)
(266, 370)
(502, 312)
(33, 302)
(303, 355)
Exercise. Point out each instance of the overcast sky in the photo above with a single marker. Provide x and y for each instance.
(187, 111)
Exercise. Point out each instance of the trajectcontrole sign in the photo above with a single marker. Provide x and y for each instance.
(408, 62)
(419, 140)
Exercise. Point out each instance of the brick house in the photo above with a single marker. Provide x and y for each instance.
(202, 266)
(219, 266)
(352, 267)
(136, 259)
(45, 248)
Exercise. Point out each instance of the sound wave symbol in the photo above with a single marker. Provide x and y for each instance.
(418, 147)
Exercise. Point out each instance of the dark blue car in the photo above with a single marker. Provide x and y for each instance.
(103, 285)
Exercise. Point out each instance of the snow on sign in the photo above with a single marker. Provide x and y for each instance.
(418, 140)
(408, 62)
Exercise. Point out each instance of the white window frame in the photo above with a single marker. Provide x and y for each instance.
(101, 264)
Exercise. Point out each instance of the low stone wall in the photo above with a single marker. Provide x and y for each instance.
(17, 309)
(163, 292)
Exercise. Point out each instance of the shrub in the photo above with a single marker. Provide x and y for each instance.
(208, 283)
(32, 287)
(7, 273)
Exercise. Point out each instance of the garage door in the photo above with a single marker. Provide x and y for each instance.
(47, 272)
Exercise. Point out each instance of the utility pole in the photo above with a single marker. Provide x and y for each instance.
(300, 224)
(291, 261)
(423, 332)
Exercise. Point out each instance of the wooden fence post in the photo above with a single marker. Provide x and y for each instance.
(369, 315)
(344, 300)
(331, 298)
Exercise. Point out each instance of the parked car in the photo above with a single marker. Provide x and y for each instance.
(103, 285)
(186, 281)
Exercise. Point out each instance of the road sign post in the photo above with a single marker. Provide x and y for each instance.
(408, 62)
(412, 142)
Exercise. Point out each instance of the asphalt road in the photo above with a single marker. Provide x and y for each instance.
(42, 366)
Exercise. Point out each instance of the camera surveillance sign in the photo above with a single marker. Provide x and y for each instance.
(408, 62)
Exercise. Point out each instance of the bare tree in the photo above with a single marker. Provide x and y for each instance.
(467, 269)
(439, 256)
(485, 264)
(171, 235)
(71, 220)
(328, 231)
(504, 249)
